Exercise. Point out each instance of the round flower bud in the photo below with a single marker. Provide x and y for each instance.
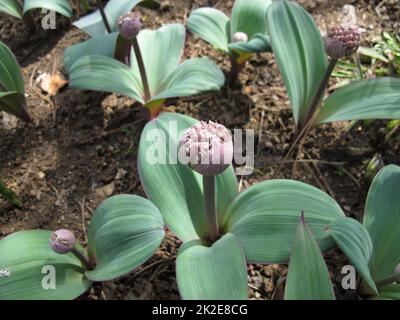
(240, 37)
(349, 37)
(397, 272)
(208, 148)
(129, 25)
(62, 241)
(334, 48)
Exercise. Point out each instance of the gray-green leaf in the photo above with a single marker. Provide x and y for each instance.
(264, 217)
(212, 273)
(300, 54)
(308, 276)
(125, 231)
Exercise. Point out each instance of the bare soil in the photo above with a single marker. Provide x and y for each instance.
(82, 146)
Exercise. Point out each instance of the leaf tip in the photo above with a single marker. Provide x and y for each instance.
(302, 218)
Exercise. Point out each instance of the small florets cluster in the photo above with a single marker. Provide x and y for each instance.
(62, 241)
(129, 25)
(342, 41)
(240, 37)
(208, 148)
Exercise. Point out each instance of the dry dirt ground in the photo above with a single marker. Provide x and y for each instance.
(82, 145)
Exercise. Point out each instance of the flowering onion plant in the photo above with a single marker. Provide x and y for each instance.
(21, 9)
(12, 91)
(221, 229)
(373, 248)
(301, 55)
(240, 36)
(102, 26)
(154, 72)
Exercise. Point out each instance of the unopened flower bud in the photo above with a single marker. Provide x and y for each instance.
(334, 48)
(62, 241)
(397, 272)
(208, 148)
(129, 25)
(240, 37)
(348, 36)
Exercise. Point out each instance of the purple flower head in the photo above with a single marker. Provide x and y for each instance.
(62, 241)
(129, 25)
(208, 148)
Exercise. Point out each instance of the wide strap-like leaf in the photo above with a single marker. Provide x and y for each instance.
(12, 91)
(10, 72)
(11, 7)
(190, 78)
(382, 220)
(212, 273)
(391, 291)
(174, 188)
(61, 6)
(93, 23)
(102, 45)
(356, 244)
(161, 50)
(308, 276)
(249, 17)
(368, 99)
(211, 25)
(264, 217)
(14, 103)
(299, 50)
(125, 231)
(258, 43)
(105, 74)
(33, 266)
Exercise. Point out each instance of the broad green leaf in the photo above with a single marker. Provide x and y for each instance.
(10, 72)
(106, 74)
(9, 195)
(14, 103)
(61, 6)
(368, 99)
(258, 43)
(102, 45)
(161, 50)
(265, 216)
(308, 276)
(93, 23)
(212, 273)
(249, 17)
(356, 244)
(11, 7)
(190, 77)
(390, 292)
(382, 220)
(174, 188)
(211, 25)
(29, 257)
(299, 50)
(12, 91)
(372, 53)
(125, 231)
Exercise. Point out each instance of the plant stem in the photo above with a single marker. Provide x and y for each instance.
(235, 69)
(307, 124)
(103, 15)
(319, 94)
(142, 69)
(386, 282)
(209, 201)
(88, 264)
